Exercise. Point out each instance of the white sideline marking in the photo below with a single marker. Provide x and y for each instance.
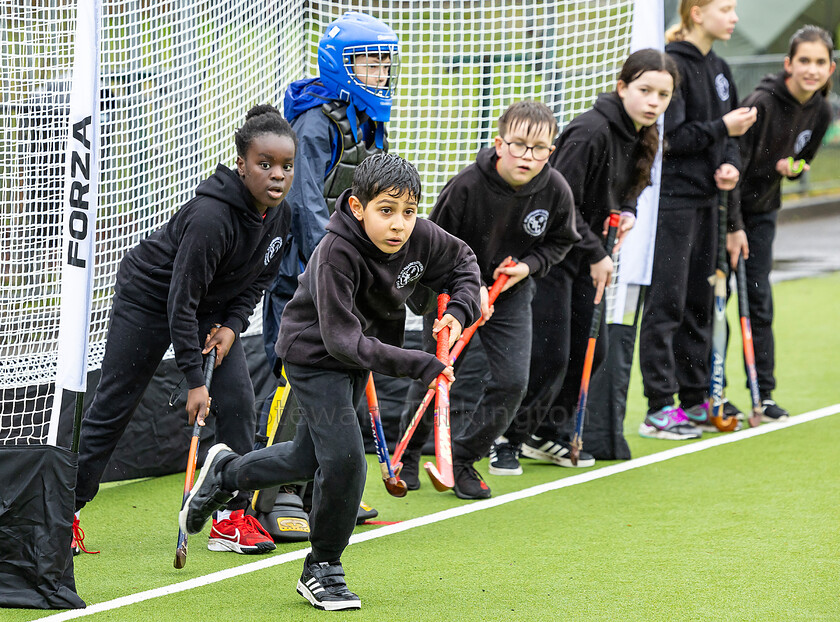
(421, 521)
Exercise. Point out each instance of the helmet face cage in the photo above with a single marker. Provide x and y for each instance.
(366, 65)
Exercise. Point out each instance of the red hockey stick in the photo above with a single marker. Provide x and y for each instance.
(459, 346)
(594, 327)
(719, 332)
(395, 486)
(749, 349)
(441, 474)
(192, 461)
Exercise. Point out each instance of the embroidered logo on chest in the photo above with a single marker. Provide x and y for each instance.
(535, 222)
(802, 140)
(411, 272)
(722, 87)
(272, 250)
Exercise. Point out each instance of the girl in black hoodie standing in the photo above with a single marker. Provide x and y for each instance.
(701, 159)
(606, 155)
(194, 283)
(793, 116)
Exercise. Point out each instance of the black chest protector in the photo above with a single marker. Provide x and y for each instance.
(351, 153)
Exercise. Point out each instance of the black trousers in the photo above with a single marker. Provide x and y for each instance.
(676, 332)
(327, 448)
(761, 233)
(137, 341)
(562, 314)
(506, 338)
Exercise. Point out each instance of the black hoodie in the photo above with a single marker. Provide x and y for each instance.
(534, 223)
(784, 128)
(597, 154)
(213, 259)
(348, 311)
(697, 141)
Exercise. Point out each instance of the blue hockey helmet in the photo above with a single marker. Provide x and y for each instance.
(358, 57)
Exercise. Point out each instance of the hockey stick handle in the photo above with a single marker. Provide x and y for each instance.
(442, 474)
(719, 330)
(192, 462)
(594, 329)
(749, 347)
(459, 346)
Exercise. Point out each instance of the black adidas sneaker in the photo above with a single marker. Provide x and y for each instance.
(323, 585)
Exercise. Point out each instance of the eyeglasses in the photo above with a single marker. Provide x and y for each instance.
(518, 150)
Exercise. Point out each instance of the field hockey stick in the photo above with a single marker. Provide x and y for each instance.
(192, 460)
(749, 348)
(719, 333)
(459, 346)
(441, 474)
(594, 328)
(395, 486)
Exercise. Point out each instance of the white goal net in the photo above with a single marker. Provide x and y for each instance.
(176, 78)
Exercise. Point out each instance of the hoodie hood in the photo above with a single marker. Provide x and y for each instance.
(775, 85)
(611, 106)
(225, 186)
(303, 95)
(686, 49)
(486, 163)
(345, 225)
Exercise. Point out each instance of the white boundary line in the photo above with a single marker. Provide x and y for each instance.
(421, 521)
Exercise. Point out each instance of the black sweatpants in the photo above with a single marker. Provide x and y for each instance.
(506, 338)
(137, 340)
(761, 233)
(562, 311)
(327, 449)
(676, 332)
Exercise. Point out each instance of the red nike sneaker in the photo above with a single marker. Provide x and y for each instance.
(240, 534)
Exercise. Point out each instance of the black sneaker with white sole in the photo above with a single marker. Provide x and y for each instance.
(323, 585)
(731, 410)
(468, 482)
(771, 411)
(557, 451)
(504, 459)
(207, 494)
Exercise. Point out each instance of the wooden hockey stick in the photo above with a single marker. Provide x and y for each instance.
(459, 346)
(192, 461)
(719, 332)
(395, 486)
(749, 349)
(441, 474)
(594, 328)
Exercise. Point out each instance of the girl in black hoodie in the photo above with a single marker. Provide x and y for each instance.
(793, 116)
(606, 155)
(701, 159)
(194, 283)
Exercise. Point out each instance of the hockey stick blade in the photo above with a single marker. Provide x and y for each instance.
(438, 480)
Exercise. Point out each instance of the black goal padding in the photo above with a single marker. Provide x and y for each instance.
(603, 431)
(37, 486)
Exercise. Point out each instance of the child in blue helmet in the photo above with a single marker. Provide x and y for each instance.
(340, 119)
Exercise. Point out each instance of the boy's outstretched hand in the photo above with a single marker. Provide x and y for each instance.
(516, 272)
(454, 328)
(221, 338)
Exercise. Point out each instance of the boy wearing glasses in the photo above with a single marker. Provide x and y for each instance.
(507, 205)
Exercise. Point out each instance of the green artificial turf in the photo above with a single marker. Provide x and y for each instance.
(743, 531)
